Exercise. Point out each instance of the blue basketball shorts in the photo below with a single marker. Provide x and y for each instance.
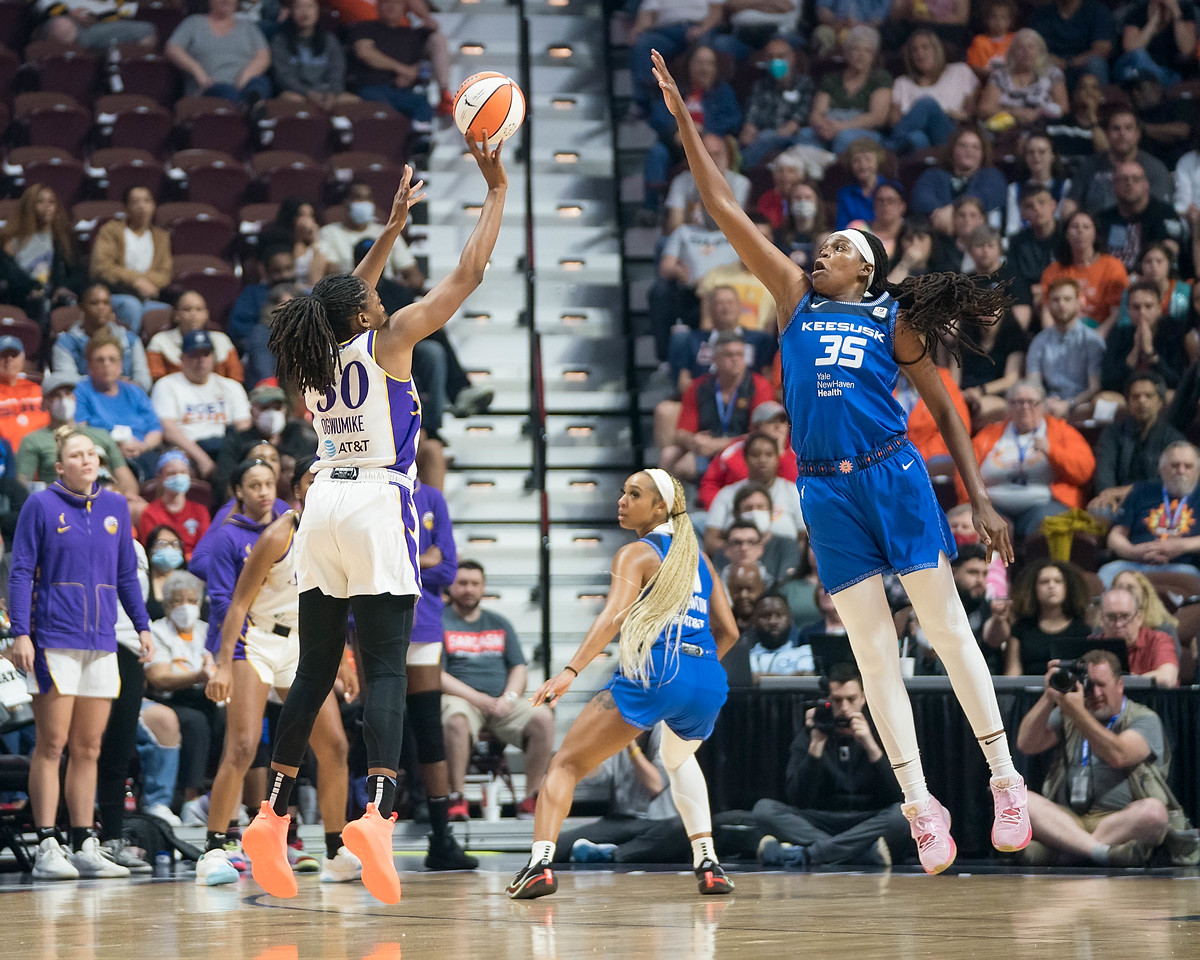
(882, 518)
(685, 692)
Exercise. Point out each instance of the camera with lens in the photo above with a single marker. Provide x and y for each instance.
(824, 718)
(1068, 673)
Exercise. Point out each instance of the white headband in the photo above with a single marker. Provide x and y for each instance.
(860, 244)
(666, 490)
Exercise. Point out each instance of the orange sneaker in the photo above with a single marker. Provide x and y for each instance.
(370, 839)
(265, 843)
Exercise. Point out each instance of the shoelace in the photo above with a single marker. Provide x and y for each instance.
(927, 824)
(1011, 811)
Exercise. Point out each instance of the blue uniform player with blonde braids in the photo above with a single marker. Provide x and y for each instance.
(867, 499)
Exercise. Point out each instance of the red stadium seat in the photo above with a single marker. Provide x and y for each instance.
(202, 233)
(52, 119)
(377, 127)
(285, 173)
(63, 319)
(133, 120)
(154, 321)
(212, 123)
(218, 288)
(167, 213)
(213, 177)
(8, 211)
(370, 168)
(150, 74)
(62, 69)
(63, 175)
(13, 30)
(287, 125)
(90, 215)
(10, 63)
(127, 167)
(14, 322)
(166, 15)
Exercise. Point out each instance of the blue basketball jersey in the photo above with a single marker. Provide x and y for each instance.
(838, 375)
(696, 627)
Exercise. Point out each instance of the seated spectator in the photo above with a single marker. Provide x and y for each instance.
(172, 508)
(984, 377)
(389, 52)
(1049, 607)
(802, 226)
(967, 172)
(776, 202)
(856, 201)
(951, 252)
(730, 466)
(43, 268)
(221, 55)
(1137, 219)
(1151, 342)
(1065, 357)
(887, 221)
(754, 23)
(836, 18)
(1129, 448)
(1092, 187)
(1151, 652)
(338, 240)
(307, 63)
(1158, 267)
(842, 800)
(70, 348)
(279, 266)
(641, 824)
(691, 351)
(1102, 743)
(164, 548)
(133, 259)
(683, 198)
(295, 226)
(107, 402)
(670, 27)
(1034, 465)
(779, 105)
(762, 465)
(1079, 35)
(1166, 121)
(1080, 256)
(20, 398)
(922, 429)
(1031, 249)
(776, 556)
(292, 437)
(1158, 37)
(1039, 166)
(853, 103)
(195, 406)
(1154, 614)
(715, 109)
(914, 251)
(773, 641)
(1155, 527)
(931, 97)
(483, 688)
(755, 306)
(988, 49)
(35, 457)
(177, 676)
(690, 252)
(1187, 180)
(1026, 90)
(164, 352)
(984, 251)
(828, 619)
(744, 584)
(94, 24)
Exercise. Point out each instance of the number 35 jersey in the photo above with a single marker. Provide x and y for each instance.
(367, 418)
(838, 375)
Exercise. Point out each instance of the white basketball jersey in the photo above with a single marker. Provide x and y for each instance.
(367, 418)
(279, 599)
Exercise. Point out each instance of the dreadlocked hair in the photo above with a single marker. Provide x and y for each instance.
(938, 306)
(306, 332)
(664, 600)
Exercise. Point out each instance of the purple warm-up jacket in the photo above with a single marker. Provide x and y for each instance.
(433, 524)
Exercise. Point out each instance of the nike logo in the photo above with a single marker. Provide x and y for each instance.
(64, 529)
(907, 465)
(816, 303)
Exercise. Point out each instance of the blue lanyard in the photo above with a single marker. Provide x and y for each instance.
(1021, 450)
(725, 410)
(1171, 520)
(1111, 723)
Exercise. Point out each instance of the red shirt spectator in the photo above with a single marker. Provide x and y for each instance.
(730, 465)
(1151, 650)
(700, 410)
(20, 399)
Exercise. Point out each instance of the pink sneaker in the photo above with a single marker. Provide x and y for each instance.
(931, 830)
(1011, 830)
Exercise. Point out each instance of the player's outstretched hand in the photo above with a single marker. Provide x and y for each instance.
(993, 532)
(552, 689)
(668, 86)
(408, 195)
(489, 162)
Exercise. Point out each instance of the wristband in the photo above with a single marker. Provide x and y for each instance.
(572, 669)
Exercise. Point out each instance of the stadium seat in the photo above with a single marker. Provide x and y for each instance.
(8, 211)
(63, 319)
(212, 124)
(13, 29)
(132, 120)
(166, 15)
(10, 63)
(15, 323)
(149, 74)
(167, 213)
(370, 168)
(89, 216)
(52, 119)
(286, 125)
(49, 166)
(376, 127)
(63, 69)
(127, 167)
(213, 177)
(154, 321)
(201, 233)
(213, 279)
(285, 173)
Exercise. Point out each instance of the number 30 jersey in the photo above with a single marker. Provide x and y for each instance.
(367, 418)
(839, 372)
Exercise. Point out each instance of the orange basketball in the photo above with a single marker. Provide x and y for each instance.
(489, 101)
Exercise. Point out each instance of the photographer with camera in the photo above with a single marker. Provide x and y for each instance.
(843, 800)
(1105, 799)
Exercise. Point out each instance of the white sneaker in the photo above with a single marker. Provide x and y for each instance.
(214, 869)
(93, 865)
(344, 868)
(164, 813)
(195, 812)
(50, 862)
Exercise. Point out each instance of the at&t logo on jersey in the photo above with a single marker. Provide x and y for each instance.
(330, 448)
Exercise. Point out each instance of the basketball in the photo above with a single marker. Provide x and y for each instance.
(489, 101)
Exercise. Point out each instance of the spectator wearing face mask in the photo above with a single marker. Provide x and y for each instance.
(338, 240)
(172, 508)
(294, 438)
(164, 548)
(783, 517)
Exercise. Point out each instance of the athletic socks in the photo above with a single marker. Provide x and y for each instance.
(333, 843)
(46, 833)
(78, 835)
(995, 751)
(279, 793)
(911, 777)
(214, 840)
(381, 791)
(293, 833)
(439, 816)
(541, 850)
(703, 849)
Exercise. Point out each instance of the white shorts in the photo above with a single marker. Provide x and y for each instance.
(273, 657)
(359, 537)
(74, 673)
(424, 654)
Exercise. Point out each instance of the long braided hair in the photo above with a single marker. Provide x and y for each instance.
(937, 305)
(306, 332)
(665, 598)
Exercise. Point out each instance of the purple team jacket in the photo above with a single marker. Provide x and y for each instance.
(72, 558)
(229, 547)
(433, 524)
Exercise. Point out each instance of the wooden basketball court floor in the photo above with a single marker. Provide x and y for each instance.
(883, 915)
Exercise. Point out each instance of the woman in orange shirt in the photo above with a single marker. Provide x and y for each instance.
(1101, 277)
